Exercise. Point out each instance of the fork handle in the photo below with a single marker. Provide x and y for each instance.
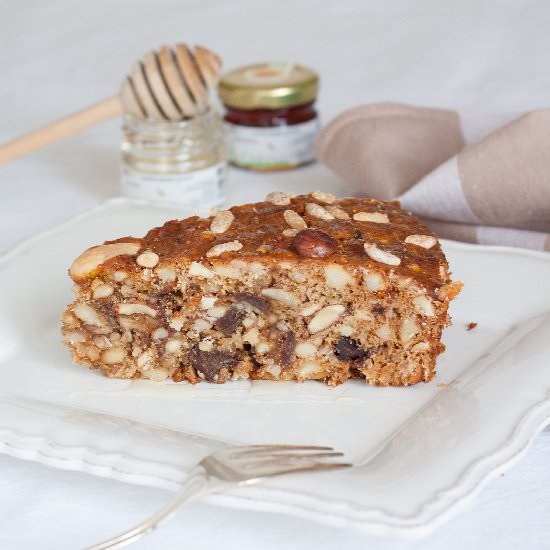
(193, 487)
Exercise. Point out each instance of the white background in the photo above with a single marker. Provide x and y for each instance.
(57, 56)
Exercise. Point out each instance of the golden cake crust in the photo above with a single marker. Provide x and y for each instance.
(260, 229)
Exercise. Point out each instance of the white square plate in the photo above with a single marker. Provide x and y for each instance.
(420, 451)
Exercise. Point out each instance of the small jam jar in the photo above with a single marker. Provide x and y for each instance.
(270, 121)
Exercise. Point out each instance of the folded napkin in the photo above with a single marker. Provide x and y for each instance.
(487, 185)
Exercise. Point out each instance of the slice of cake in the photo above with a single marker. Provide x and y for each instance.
(294, 288)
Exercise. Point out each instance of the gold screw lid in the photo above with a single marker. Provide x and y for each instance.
(268, 86)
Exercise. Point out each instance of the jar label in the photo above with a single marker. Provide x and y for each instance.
(271, 148)
(200, 187)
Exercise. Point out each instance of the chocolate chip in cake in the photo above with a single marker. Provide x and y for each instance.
(347, 350)
(229, 321)
(286, 344)
(209, 363)
(252, 356)
(257, 302)
(312, 243)
(378, 309)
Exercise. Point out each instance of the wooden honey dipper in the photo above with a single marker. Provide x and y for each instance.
(170, 84)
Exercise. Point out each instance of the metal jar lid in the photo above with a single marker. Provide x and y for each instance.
(268, 86)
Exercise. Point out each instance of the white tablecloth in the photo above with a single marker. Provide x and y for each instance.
(59, 56)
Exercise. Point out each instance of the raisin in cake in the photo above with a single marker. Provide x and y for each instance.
(293, 288)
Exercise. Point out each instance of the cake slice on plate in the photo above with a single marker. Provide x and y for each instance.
(293, 288)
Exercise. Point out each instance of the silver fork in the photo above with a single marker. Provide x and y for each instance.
(229, 467)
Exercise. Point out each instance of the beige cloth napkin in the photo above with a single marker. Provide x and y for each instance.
(493, 190)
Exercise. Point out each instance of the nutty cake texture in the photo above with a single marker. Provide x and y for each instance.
(293, 288)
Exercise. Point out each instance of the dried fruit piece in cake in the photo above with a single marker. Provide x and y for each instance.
(293, 288)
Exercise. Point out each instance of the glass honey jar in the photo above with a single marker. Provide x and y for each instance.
(178, 162)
